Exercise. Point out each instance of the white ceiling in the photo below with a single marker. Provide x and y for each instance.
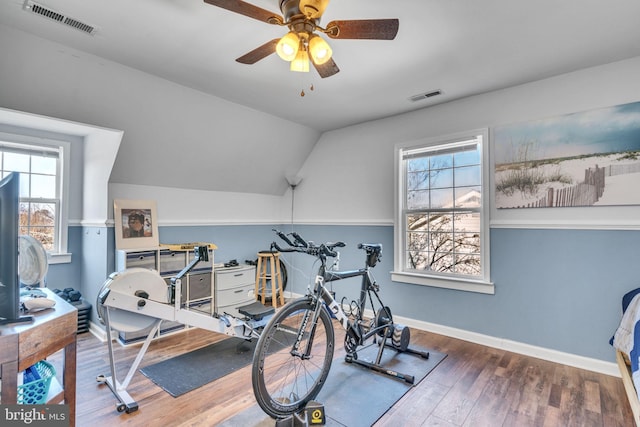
(462, 47)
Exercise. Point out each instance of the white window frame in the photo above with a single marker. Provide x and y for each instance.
(60, 254)
(481, 283)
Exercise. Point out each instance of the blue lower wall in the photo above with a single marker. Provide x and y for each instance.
(562, 289)
(557, 289)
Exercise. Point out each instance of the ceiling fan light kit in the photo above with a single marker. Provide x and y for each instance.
(302, 17)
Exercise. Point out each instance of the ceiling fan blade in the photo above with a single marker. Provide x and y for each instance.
(376, 29)
(259, 53)
(327, 69)
(248, 9)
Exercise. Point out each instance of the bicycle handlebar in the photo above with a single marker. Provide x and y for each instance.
(299, 239)
(283, 237)
(302, 246)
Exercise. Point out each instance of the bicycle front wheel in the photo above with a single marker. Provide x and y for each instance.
(292, 358)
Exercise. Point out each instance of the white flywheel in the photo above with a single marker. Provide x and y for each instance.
(32, 260)
(129, 282)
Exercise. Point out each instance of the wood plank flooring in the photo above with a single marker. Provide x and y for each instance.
(473, 386)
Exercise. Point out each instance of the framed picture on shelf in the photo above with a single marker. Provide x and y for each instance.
(136, 224)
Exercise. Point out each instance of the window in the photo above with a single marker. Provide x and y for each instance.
(41, 188)
(441, 229)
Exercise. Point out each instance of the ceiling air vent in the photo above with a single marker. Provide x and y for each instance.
(53, 15)
(425, 95)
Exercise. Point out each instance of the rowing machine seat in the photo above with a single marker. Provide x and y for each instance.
(256, 310)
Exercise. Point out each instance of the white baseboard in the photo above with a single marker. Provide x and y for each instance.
(98, 331)
(595, 365)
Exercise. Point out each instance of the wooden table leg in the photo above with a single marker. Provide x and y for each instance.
(9, 394)
(69, 379)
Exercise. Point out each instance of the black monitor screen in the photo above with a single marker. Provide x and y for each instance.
(9, 223)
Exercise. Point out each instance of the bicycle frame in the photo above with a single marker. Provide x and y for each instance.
(332, 304)
(353, 328)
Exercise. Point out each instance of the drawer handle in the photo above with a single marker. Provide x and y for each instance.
(238, 275)
(237, 292)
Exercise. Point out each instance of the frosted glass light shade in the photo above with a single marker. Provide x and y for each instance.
(319, 49)
(287, 47)
(301, 63)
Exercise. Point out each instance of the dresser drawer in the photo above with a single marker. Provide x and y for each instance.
(232, 278)
(199, 286)
(234, 296)
(146, 259)
(172, 262)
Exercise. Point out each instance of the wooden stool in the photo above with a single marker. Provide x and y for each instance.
(268, 268)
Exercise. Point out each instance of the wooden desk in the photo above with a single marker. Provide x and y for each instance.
(24, 344)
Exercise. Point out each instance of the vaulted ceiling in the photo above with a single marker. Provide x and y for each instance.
(459, 47)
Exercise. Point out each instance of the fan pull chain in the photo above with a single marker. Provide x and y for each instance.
(310, 88)
(305, 80)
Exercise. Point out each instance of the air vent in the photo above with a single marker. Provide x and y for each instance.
(425, 95)
(53, 15)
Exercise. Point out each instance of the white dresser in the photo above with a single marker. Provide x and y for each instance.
(233, 288)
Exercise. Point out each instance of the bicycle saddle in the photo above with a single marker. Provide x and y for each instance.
(374, 252)
(371, 247)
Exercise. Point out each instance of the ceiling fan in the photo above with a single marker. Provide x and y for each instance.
(302, 42)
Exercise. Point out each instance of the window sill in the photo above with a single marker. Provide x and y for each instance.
(64, 258)
(479, 286)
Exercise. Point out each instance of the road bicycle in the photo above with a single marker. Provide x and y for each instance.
(294, 352)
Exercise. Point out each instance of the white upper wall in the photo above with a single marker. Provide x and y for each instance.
(348, 177)
(173, 136)
(196, 207)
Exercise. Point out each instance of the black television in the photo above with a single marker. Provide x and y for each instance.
(9, 231)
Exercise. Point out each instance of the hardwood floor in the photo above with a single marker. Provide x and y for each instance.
(473, 386)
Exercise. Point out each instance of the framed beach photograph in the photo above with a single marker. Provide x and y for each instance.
(136, 224)
(583, 159)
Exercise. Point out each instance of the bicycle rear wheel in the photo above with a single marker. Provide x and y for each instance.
(283, 379)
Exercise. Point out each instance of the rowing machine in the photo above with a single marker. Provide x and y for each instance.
(137, 298)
